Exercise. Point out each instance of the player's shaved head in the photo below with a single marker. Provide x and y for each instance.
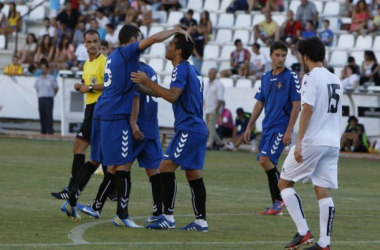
(127, 32)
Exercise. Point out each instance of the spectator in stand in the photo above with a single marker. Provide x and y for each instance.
(147, 14)
(46, 87)
(239, 61)
(273, 5)
(350, 78)
(61, 31)
(188, 21)
(48, 29)
(79, 32)
(326, 35)
(69, 16)
(307, 11)
(351, 61)
(376, 22)
(258, 61)
(13, 69)
(34, 70)
(197, 34)
(213, 98)
(64, 54)
(309, 31)
(369, 67)
(45, 50)
(156, 4)
(101, 18)
(112, 37)
(266, 30)
(29, 50)
(104, 48)
(108, 7)
(241, 123)
(132, 13)
(290, 30)
(55, 5)
(206, 24)
(95, 26)
(3, 18)
(293, 58)
(360, 17)
(375, 7)
(81, 55)
(256, 5)
(225, 122)
(238, 5)
(13, 22)
(354, 138)
(350, 5)
(120, 10)
(170, 5)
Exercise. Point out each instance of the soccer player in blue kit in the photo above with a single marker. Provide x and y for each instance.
(188, 146)
(111, 131)
(280, 96)
(146, 149)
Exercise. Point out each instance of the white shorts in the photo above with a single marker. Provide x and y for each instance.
(320, 165)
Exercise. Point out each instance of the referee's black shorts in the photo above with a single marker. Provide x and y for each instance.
(84, 132)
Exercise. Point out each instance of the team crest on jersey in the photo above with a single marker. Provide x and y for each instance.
(279, 85)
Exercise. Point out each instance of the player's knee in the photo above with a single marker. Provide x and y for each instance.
(192, 175)
(151, 172)
(265, 162)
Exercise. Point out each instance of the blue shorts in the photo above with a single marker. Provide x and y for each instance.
(147, 152)
(271, 145)
(187, 149)
(111, 140)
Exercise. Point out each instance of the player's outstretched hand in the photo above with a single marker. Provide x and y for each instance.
(184, 32)
(137, 133)
(77, 86)
(139, 77)
(247, 135)
(298, 152)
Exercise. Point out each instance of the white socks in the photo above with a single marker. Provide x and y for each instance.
(169, 217)
(326, 217)
(294, 206)
(201, 222)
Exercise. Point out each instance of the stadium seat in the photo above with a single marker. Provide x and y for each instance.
(167, 80)
(227, 82)
(157, 64)
(174, 17)
(157, 50)
(213, 18)
(197, 16)
(257, 84)
(224, 5)
(211, 52)
(243, 35)
(346, 41)
(226, 52)
(23, 9)
(224, 65)
(159, 80)
(244, 83)
(243, 21)
(196, 5)
(211, 5)
(376, 43)
(280, 19)
(363, 42)
(327, 56)
(377, 54)
(5, 9)
(294, 5)
(168, 67)
(144, 30)
(258, 19)
(206, 65)
(2, 42)
(331, 9)
(154, 30)
(359, 57)
(334, 24)
(162, 15)
(319, 6)
(142, 59)
(338, 58)
(223, 36)
(338, 71)
(38, 13)
(226, 20)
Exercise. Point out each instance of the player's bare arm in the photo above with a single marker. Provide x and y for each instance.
(171, 95)
(145, 90)
(160, 37)
(135, 113)
(296, 106)
(257, 109)
(306, 114)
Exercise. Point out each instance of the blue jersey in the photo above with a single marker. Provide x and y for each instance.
(277, 92)
(117, 96)
(147, 119)
(188, 108)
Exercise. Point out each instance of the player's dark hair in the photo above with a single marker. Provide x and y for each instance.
(91, 32)
(104, 43)
(127, 32)
(256, 45)
(237, 41)
(187, 47)
(313, 48)
(278, 45)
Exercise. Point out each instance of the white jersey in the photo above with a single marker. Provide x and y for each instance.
(323, 91)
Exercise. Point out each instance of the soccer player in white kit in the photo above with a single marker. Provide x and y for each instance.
(315, 155)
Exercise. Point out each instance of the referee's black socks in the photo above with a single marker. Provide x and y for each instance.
(123, 188)
(273, 178)
(78, 162)
(155, 181)
(198, 193)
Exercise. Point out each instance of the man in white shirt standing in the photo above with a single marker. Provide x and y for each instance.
(101, 18)
(48, 29)
(213, 99)
(315, 155)
(258, 61)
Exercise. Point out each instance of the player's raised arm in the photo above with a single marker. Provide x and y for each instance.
(160, 37)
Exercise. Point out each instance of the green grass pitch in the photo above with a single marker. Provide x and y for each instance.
(236, 190)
